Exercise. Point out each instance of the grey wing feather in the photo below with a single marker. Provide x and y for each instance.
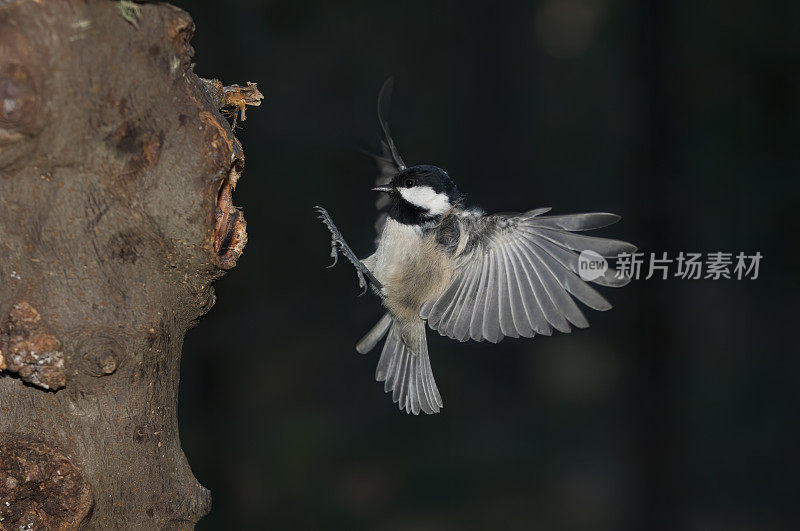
(519, 276)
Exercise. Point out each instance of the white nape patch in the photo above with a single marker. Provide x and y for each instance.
(425, 198)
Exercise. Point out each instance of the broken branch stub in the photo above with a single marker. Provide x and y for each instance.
(233, 100)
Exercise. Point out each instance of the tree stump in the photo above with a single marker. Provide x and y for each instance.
(116, 173)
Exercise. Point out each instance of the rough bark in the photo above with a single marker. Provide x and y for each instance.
(116, 172)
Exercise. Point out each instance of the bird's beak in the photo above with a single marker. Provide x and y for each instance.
(384, 188)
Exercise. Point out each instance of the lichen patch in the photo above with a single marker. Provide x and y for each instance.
(29, 350)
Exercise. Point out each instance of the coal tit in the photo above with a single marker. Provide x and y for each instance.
(467, 274)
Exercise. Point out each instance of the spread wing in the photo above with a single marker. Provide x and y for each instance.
(389, 161)
(516, 275)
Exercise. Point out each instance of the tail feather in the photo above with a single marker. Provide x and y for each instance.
(406, 373)
(372, 337)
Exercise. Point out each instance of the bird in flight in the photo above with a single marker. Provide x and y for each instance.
(467, 274)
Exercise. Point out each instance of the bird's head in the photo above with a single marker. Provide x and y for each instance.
(420, 194)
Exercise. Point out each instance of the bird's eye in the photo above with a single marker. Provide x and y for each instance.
(409, 183)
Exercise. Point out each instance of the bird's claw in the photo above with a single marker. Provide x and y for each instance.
(334, 253)
(338, 245)
(362, 283)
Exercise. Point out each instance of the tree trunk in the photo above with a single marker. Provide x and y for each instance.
(116, 172)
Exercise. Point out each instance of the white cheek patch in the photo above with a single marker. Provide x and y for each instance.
(425, 198)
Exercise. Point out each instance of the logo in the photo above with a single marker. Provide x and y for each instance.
(591, 265)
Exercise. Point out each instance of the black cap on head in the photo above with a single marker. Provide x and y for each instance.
(426, 175)
(420, 194)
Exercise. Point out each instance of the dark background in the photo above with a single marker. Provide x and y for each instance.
(678, 409)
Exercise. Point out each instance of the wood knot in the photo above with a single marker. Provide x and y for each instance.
(29, 350)
(22, 110)
(40, 487)
(19, 102)
(100, 355)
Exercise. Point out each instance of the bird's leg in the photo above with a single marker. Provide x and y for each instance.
(338, 245)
